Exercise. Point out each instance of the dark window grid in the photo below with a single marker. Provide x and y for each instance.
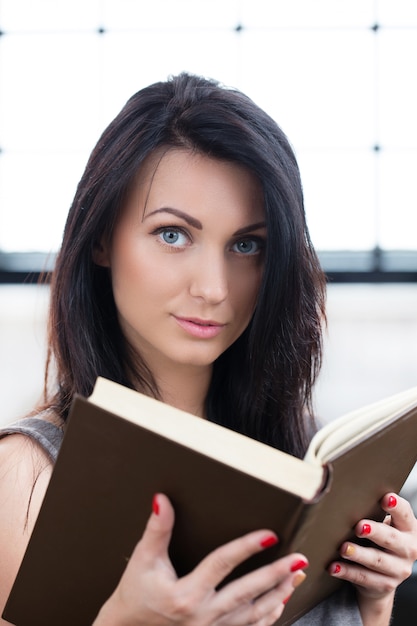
(374, 265)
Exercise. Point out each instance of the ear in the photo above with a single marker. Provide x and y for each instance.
(101, 253)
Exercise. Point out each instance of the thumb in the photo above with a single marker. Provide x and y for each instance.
(158, 531)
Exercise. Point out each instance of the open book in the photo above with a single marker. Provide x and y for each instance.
(121, 447)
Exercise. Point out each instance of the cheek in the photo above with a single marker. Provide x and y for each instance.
(141, 276)
(129, 271)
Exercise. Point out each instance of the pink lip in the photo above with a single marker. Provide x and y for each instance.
(202, 329)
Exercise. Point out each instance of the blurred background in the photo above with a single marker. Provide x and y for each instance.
(337, 75)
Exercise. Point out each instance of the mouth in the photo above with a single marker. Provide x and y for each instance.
(200, 328)
(200, 322)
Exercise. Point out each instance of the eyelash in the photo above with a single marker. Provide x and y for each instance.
(258, 241)
(159, 232)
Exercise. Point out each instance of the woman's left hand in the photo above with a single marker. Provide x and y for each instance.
(377, 570)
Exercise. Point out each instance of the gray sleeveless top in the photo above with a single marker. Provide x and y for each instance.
(47, 435)
(340, 609)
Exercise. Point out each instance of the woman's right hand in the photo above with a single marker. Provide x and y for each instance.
(151, 594)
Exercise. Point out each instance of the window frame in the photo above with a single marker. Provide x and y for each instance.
(368, 266)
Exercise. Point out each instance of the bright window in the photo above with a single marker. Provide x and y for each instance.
(339, 77)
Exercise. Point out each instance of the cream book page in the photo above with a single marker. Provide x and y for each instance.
(345, 431)
(221, 444)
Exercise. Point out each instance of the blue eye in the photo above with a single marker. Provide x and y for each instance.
(247, 246)
(173, 237)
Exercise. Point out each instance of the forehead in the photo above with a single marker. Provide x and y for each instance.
(193, 179)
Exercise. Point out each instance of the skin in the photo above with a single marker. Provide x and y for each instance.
(185, 280)
(187, 247)
(20, 463)
(378, 570)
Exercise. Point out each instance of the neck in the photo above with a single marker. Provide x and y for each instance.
(185, 388)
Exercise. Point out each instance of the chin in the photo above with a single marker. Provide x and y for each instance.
(197, 360)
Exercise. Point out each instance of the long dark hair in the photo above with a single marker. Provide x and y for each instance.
(262, 385)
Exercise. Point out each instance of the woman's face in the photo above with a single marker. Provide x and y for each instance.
(186, 258)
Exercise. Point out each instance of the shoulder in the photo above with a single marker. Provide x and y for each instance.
(44, 428)
(25, 470)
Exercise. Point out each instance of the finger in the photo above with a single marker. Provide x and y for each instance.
(283, 573)
(371, 582)
(387, 538)
(370, 558)
(213, 569)
(382, 534)
(274, 601)
(265, 610)
(248, 601)
(402, 515)
(157, 534)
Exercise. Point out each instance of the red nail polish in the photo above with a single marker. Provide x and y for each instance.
(392, 502)
(300, 564)
(155, 505)
(285, 600)
(336, 568)
(269, 541)
(366, 529)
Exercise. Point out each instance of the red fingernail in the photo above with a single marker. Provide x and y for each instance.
(366, 529)
(285, 600)
(336, 568)
(392, 502)
(300, 564)
(155, 505)
(269, 541)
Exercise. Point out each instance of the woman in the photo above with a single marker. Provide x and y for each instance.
(186, 272)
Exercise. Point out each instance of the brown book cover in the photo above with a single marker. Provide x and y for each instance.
(108, 469)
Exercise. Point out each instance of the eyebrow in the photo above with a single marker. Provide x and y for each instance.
(197, 224)
(250, 228)
(187, 218)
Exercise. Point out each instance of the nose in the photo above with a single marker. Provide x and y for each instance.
(209, 278)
